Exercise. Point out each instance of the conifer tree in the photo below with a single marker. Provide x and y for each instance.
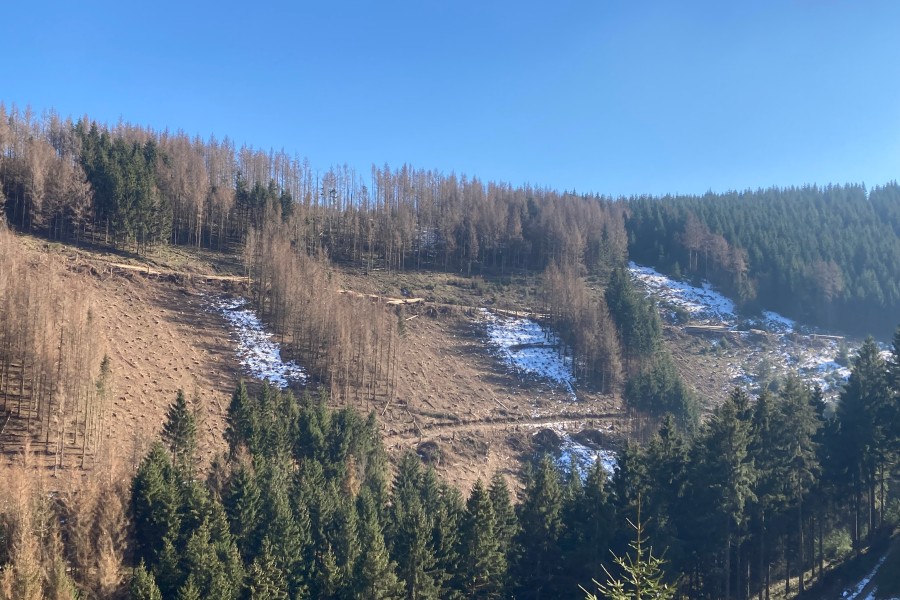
(862, 412)
(798, 425)
(157, 504)
(507, 524)
(241, 419)
(642, 573)
(265, 580)
(143, 586)
(728, 473)
(540, 516)
(243, 503)
(375, 574)
(483, 565)
(180, 431)
(190, 591)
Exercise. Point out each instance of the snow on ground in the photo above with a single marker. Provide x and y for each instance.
(703, 303)
(813, 359)
(572, 451)
(855, 592)
(259, 355)
(526, 347)
(584, 456)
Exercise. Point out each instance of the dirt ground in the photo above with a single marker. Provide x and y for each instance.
(454, 401)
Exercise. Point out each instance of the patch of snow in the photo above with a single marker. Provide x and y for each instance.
(584, 456)
(257, 352)
(811, 357)
(528, 348)
(854, 592)
(703, 303)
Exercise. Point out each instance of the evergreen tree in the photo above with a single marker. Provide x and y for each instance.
(143, 586)
(862, 412)
(483, 564)
(728, 474)
(243, 504)
(798, 426)
(265, 580)
(507, 524)
(540, 516)
(241, 420)
(156, 501)
(180, 431)
(642, 573)
(190, 590)
(375, 574)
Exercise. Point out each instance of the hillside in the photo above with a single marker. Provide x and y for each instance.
(223, 374)
(158, 319)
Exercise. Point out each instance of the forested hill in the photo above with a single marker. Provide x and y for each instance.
(828, 256)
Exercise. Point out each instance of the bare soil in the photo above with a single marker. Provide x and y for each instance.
(454, 401)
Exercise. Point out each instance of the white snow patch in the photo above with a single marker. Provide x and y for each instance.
(703, 303)
(774, 322)
(584, 457)
(527, 347)
(854, 592)
(257, 352)
(814, 359)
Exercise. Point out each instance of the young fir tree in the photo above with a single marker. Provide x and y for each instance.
(143, 586)
(374, 575)
(483, 564)
(180, 432)
(265, 580)
(641, 573)
(540, 516)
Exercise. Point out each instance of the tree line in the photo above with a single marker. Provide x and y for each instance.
(827, 256)
(54, 377)
(133, 187)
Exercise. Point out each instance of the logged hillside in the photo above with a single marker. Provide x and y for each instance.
(828, 256)
(493, 333)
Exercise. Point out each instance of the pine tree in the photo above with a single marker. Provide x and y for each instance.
(265, 580)
(143, 586)
(180, 432)
(483, 564)
(375, 574)
(540, 516)
(642, 573)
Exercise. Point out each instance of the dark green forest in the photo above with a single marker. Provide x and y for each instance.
(828, 256)
(304, 504)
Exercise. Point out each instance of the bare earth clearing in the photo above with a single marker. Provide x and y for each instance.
(454, 400)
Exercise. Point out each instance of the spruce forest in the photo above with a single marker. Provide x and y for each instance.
(439, 364)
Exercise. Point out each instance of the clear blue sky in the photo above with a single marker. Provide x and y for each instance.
(611, 96)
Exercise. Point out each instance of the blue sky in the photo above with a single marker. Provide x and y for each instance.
(615, 97)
